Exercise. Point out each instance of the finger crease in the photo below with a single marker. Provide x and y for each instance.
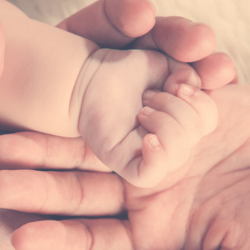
(80, 197)
(46, 187)
(45, 156)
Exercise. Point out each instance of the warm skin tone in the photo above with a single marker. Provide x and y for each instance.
(73, 88)
(142, 205)
(2, 48)
(208, 198)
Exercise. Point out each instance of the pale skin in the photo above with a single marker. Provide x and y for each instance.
(215, 193)
(73, 88)
(68, 153)
(203, 208)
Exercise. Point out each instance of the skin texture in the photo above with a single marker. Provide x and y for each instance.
(39, 77)
(2, 48)
(184, 206)
(197, 39)
(33, 150)
(74, 88)
(109, 122)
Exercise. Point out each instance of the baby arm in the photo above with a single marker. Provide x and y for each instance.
(42, 64)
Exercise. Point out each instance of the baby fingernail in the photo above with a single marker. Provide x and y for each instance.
(146, 111)
(187, 90)
(153, 141)
(148, 95)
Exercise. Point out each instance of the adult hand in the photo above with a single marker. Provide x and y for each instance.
(119, 25)
(202, 206)
(132, 24)
(2, 48)
(116, 18)
(45, 151)
(10, 220)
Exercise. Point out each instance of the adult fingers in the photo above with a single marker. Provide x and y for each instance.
(179, 73)
(2, 48)
(111, 23)
(189, 42)
(216, 70)
(36, 150)
(78, 234)
(180, 38)
(115, 24)
(70, 193)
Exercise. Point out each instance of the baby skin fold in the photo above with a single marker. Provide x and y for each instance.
(62, 84)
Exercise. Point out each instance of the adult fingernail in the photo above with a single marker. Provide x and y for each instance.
(187, 90)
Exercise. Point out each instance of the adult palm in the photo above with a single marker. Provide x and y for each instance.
(184, 212)
(204, 205)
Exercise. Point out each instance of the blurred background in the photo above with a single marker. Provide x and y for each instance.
(230, 19)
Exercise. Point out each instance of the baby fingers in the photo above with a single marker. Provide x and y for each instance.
(176, 124)
(194, 111)
(203, 105)
(163, 151)
(58, 192)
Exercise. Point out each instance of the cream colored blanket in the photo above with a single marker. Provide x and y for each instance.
(230, 20)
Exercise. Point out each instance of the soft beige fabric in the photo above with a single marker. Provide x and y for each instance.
(230, 20)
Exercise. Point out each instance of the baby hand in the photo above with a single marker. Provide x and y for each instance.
(142, 148)
(176, 124)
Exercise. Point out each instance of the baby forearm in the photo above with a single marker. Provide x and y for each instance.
(42, 64)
